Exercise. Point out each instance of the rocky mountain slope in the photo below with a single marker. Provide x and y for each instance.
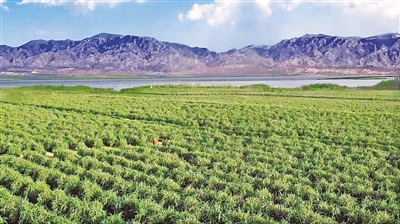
(117, 54)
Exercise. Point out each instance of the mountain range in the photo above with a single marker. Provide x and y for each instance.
(127, 54)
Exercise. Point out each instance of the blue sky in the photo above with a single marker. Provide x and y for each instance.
(217, 25)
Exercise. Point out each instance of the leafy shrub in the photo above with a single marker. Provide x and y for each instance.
(323, 86)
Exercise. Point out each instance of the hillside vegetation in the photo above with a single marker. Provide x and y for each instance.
(224, 155)
(386, 85)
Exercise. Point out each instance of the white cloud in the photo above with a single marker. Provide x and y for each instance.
(3, 6)
(214, 13)
(197, 11)
(389, 9)
(181, 17)
(264, 5)
(82, 5)
(293, 5)
(223, 11)
(381, 8)
(46, 2)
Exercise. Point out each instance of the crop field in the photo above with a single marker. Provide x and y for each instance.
(224, 155)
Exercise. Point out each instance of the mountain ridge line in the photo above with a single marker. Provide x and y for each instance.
(128, 54)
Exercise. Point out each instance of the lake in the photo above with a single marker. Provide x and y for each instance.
(273, 81)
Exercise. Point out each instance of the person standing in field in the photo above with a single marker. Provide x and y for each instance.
(154, 142)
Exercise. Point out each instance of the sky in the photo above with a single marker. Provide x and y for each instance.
(217, 25)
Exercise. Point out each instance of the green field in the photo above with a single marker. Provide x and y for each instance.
(225, 155)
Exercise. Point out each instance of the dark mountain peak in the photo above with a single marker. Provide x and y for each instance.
(34, 47)
(104, 36)
(387, 40)
(5, 48)
(309, 36)
(113, 53)
(101, 38)
(35, 43)
(253, 46)
(335, 51)
(321, 41)
(259, 49)
(231, 51)
(201, 51)
(187, 50)
(115, 43)
(317, 37)
(384, 36)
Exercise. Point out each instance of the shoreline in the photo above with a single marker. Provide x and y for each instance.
(25, 77)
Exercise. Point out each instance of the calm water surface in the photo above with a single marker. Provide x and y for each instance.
(118, 84)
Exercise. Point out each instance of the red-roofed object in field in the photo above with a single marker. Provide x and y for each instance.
(154, 141)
